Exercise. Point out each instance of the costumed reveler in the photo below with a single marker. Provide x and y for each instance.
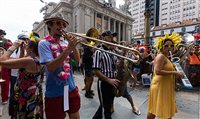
(27, 100)
(162, 99)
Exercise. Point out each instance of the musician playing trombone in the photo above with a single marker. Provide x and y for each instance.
(60, 86)
(104, 65)
(88, 62)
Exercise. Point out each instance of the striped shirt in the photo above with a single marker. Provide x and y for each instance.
(105, 62)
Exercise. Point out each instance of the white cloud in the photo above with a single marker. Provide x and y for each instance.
(119, 2)
(19, 15)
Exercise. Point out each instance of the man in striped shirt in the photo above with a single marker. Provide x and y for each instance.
(104, 65)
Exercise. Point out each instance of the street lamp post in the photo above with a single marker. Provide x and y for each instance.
(147, 15)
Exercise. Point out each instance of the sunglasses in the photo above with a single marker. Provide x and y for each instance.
(167, 46)
(59, 23)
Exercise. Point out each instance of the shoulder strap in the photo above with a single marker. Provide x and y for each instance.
(36, 60)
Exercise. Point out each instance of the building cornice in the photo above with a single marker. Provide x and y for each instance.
(99, 7)
(178, 24)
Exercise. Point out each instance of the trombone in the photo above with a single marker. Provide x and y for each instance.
(133, 51)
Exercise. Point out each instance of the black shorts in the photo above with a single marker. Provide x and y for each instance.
(89, 72)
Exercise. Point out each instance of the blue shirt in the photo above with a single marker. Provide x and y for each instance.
(54, 85)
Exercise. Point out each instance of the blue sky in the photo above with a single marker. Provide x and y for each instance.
(18, 16)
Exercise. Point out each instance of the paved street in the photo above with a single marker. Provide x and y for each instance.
(188, 102)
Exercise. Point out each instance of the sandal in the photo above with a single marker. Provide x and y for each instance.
(137, 112)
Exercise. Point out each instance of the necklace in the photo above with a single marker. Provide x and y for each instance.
(56, 49)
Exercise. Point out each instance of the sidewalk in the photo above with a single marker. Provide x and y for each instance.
(188, 103)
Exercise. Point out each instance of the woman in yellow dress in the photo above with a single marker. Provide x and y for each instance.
(162, 102)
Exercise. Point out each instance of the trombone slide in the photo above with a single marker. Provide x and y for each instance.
(185, 80)
(109, 43)
(129, 59)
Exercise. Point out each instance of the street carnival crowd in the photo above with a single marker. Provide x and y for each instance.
(30, 61)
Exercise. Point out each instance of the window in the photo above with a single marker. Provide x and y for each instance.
(172, 30)
(197, 29)
(154, 33)
(183, 29)
(162, 32)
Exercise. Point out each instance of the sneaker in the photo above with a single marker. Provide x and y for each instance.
(88, 95)
(91, 92)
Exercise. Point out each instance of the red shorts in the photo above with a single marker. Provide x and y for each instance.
(54, 106)
(74, 101)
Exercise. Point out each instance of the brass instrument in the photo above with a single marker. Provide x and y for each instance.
(123, 43)
(184, 79)
(184, 48)
(137, 53)
(2, 51)
(124, 72)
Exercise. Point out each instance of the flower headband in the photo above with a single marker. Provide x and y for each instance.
(175, 38)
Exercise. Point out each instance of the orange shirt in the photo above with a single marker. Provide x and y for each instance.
(194, 59)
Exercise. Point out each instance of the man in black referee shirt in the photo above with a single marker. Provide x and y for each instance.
(104, 65)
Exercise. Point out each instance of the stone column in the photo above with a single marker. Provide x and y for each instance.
(114, 24)
(102, 23)
(109, 23)
(95, 19)
(80, 15)
(124, 32)
(119, 31)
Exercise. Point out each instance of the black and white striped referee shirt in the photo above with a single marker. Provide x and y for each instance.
(105, 62)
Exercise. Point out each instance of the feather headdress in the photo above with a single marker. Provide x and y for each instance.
(174, 37)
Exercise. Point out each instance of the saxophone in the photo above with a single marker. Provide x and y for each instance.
(124, 73)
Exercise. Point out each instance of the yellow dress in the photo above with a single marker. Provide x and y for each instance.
(162, 94)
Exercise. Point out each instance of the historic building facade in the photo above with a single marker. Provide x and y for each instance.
(84, 14)
(190, 26)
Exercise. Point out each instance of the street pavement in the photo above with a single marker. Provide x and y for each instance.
(188, 103)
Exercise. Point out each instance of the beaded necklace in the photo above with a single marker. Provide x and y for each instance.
(56, 49)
